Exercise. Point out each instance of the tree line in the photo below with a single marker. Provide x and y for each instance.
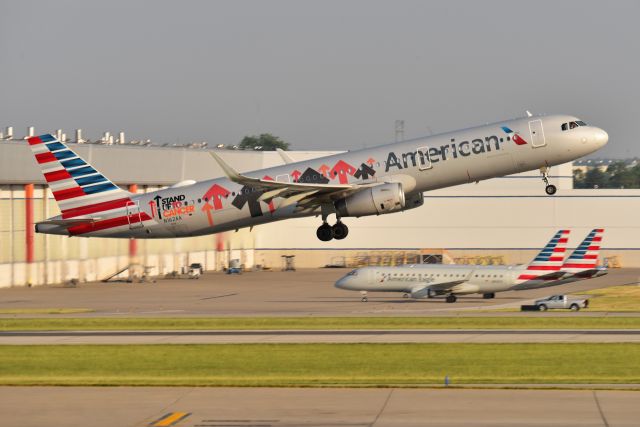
(617, 175)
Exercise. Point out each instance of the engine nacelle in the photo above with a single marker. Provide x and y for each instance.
(414, 200)
(377, 200)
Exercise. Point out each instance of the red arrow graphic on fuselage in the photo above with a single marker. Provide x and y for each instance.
(341, 169)
(295, 175)
(208, 208)
(215, 193)
(152, 204)
(323, 170)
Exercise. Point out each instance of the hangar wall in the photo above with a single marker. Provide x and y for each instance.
(508, 218)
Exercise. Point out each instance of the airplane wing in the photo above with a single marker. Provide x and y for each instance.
(306, 195)
(424, 289)
(586, 273)
(555, 275)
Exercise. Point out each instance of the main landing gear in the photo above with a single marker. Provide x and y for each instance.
(327, 232)
(451, 298)
(550, 189)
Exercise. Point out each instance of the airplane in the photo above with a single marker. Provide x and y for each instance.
(418, 281)
(375, 181)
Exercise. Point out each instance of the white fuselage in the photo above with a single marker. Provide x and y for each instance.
(414, 277)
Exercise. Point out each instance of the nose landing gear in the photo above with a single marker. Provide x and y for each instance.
(550, 189)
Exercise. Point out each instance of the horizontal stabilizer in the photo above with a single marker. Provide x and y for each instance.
(70, 222)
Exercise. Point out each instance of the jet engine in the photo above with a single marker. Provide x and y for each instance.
(377, 200)
(414, 200)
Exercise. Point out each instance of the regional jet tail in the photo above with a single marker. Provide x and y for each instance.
(547, 265)
(583, 261)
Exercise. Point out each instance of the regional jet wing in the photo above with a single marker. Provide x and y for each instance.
(304, 194)
(423, 290)
(555, 275)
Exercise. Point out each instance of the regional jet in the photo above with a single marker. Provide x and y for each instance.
(374, 181)
(417, 281)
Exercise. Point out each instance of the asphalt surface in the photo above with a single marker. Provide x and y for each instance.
(319, 336)
(269, 407)
(300, 293)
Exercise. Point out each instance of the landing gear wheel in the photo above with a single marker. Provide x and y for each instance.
(340, 231)
(405, 295)
(325, 232)
(550, 189)
(489, 295)
(451, 298)
(364, 299)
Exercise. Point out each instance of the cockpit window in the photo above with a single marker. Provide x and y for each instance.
(572, 125)
(352, 273)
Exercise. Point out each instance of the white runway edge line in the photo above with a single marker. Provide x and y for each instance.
(321, 336)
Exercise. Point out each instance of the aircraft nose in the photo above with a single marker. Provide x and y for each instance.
(342, 282)
(600, 137)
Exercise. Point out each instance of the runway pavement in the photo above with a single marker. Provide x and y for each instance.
(273, 407)
(320, 336)
(300, 293)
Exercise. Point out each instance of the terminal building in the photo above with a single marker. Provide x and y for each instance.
(499, 221)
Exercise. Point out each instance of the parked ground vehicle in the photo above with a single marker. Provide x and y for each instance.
(561, 301)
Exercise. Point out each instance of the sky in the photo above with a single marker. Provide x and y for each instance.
(322, 75)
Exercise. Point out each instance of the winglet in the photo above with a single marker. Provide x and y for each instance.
(231, 173)
(285, 157)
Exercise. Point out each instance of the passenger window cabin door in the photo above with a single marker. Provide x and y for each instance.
(537, 134)
(422, 157)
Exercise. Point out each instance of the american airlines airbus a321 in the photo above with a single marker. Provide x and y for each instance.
(375, 181)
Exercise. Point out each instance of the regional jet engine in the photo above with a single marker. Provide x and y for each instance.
(377, 200)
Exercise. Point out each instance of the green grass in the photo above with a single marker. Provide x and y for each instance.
(45, 310)
(320, 364)
(310, 323)
(616, 298)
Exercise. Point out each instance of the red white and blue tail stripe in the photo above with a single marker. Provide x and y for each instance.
(585, 256)
(80, 190)
(549, 260)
